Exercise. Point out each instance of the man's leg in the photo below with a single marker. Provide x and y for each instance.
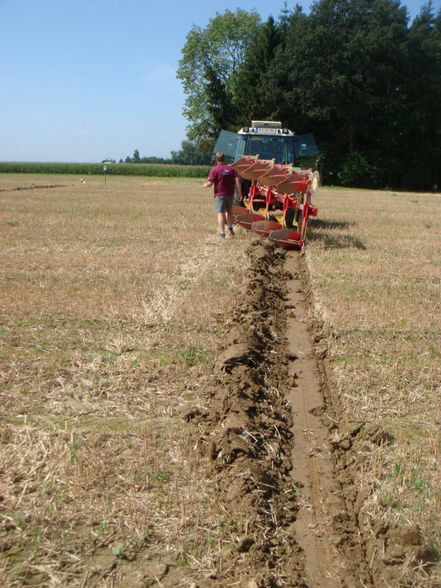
(229, 220)
(221, 222)
(229, 215)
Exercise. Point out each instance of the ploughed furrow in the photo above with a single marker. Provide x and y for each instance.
(268, 443)
(325, 529)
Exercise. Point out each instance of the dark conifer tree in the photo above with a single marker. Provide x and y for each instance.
(423, 146)
(252, 98)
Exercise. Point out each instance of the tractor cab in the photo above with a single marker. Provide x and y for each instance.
(269, 140)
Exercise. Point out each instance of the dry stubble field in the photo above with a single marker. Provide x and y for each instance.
(111, 304)
(114, 299)
(375, 268)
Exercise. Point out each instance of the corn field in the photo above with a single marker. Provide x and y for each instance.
(119, 169)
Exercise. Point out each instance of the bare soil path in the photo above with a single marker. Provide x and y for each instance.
(323, 527)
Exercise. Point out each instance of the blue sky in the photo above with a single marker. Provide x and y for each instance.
(83, 80)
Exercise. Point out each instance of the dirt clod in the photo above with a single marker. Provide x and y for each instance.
(244, 544)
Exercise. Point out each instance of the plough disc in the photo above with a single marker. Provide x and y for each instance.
(236, 210)
(246, 219)
(266, 227)
(287, 238)
(251, 170)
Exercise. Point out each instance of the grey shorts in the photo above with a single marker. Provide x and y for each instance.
(223, 203)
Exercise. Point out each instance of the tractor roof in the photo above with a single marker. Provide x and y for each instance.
(266, 127)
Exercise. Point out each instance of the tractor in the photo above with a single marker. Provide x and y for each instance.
(278, 171)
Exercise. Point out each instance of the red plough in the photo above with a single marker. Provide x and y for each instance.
(278, 204)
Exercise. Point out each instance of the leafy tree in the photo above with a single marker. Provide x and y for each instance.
(210, 59)
(190, 154)
(138, 159)
(153, 159)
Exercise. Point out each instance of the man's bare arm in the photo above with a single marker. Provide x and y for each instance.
(239, 187)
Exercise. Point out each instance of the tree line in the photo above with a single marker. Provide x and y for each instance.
(188, 154)
(358, 74)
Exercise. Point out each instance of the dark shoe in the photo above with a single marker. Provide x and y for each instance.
(231, 230)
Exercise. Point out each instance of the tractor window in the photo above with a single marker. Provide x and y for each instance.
(289, 150)
(266, 148)
(306, 151)
(227, 143)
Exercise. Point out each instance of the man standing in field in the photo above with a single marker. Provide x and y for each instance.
(224, 178)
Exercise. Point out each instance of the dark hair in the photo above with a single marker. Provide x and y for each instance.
(220, 157)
